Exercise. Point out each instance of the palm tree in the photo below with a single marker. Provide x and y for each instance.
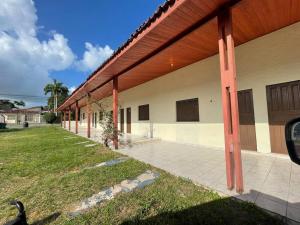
(56, 89)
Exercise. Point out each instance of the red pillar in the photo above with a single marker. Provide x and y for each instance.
(115, 111)
(230, 102)
(88, 118)
(69, 119)
(64, 119)
(76, 118)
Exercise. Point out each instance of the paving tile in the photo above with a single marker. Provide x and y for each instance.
(293, 213)
(269, 181)
(273, 206)
(294, 200)
(276, 192)
(223, 189)
(294, 189)
(249, 196)
(295, 179)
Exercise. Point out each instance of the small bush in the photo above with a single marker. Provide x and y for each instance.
(2, 125)
(50, 117)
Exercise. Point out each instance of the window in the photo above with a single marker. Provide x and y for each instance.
(11, 117)
(29, 117)
(95, 119)
(187, 110)
(100, 115)
(144, 112)
(93, 124)
(83, 116)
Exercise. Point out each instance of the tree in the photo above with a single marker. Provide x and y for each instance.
(58, 94)
(50, 117)
(8, 104)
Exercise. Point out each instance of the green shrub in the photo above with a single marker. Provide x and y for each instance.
(50, 117)
(2, 125)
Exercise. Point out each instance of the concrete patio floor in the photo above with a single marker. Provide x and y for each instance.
(271, 181)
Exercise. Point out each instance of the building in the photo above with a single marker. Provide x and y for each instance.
(18, 116)
(215, 73)
(2, 118)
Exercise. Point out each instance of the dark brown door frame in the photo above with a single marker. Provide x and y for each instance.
(128, 120)
(283, 101)
(122, 120)
(247, 120)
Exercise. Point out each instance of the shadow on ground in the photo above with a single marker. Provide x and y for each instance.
(6, 130)
(229, 211)
(47, 220)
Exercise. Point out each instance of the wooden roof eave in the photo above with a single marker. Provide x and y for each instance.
(98, 74)
(251, 19)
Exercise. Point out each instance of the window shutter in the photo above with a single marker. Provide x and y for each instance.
(187, 110)
(144, 112)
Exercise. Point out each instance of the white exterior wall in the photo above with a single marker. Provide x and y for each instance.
(10, 121)
(36, 118)
(271, 59)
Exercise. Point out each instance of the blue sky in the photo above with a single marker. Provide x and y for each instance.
(101, 23)
(63, 39)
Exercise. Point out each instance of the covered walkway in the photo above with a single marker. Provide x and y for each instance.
(271, 181)
(158, 48)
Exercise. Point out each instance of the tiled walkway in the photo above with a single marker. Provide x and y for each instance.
(271, 182)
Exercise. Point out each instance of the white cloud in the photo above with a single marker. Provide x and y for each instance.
(93, 57)
(72, 89)
(25, 61)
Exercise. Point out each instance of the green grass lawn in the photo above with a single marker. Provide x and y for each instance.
(37, 167)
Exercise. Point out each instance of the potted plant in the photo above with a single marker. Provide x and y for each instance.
(108, 131)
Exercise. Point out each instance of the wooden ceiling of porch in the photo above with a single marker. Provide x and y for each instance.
(154, 53)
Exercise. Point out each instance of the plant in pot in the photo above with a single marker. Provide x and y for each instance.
(106, 123)
(108, 131)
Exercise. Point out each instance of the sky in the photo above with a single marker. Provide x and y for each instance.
(42, 40)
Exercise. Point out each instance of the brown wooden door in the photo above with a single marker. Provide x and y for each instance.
(247, 120)
(283, 105)
(128, 120)
(122, 120)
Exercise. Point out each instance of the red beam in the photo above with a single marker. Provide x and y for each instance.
(115, 111)
(230, 102)
(61, 119)
(88, 118)
(64, 119)
(164, 46)
(69, 119)
(76, 118)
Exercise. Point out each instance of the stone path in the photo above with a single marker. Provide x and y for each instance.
(67, 138)
(82, 142)
(111, 162)
(90, 145)
(141, 181)
(102, 164)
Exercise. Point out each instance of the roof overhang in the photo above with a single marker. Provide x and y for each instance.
(180, 33)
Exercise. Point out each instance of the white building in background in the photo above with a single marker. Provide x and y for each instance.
(18, 116)
(2, 118)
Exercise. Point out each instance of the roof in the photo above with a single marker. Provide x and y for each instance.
(180, 33)
(161, 9)
(32, 110)
(19, 111)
